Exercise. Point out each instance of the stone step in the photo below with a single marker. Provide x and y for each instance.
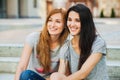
(9, 65)
(6, 76)
(15, 50)
(10, 50)
(10, 55)
(113, 69)
(10, 76)
(113, 52)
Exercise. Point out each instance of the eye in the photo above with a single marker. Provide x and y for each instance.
(58, 21)
(69, 19)
(77, 20)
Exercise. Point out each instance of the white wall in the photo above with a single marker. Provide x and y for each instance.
(42, 9)
(39, 11)
(12, 8)
(24, 8)
(107, 5)
(59, 3)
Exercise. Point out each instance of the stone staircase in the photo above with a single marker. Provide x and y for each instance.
(10, 55)
(113, 62)
(9, 58)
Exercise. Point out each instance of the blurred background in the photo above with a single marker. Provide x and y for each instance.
(40, 8)
(18, 18)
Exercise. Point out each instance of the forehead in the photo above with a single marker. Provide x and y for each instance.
(56, 16)
(73, 14)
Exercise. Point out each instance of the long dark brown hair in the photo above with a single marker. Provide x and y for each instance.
(88, 31)
(43, 46)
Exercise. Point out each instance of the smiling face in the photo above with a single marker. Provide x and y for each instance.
(55, 24)
(73, 23)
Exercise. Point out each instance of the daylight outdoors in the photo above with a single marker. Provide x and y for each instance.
(18, 18)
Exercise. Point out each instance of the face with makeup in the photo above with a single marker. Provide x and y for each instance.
(55, 24)
(73, 23)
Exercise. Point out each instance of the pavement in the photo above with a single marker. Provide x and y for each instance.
(109, 29)
(6, 76)
(14, 31)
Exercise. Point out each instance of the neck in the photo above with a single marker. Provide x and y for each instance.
(75, 44)
(75, 40)
(54, 38)
(54, 42)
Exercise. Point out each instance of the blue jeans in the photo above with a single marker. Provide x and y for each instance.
(30, 75)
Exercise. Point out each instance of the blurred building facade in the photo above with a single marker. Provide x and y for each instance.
(22, 8)
(40, 8)
(96, 6)
(107, 6)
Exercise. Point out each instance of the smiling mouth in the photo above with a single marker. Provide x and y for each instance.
(53, 29)
(73, 29)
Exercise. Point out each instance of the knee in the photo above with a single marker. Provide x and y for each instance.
(54, 76)
(25, 75)
(57, 76)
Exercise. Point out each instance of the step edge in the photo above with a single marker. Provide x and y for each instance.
(9, 59)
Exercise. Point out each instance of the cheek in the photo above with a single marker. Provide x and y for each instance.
(78, 25)
(68, 23)
(60, 26)
(61, 29)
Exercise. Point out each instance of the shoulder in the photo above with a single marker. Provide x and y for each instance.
(32, 38)
(66, 43)
(34, 34)
(65, 46)
(99, 41)
(64, 50)
(99, 45)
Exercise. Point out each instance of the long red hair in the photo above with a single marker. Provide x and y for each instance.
(43, 46)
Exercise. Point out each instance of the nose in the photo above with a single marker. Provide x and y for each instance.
(72, 23)
(52, 24)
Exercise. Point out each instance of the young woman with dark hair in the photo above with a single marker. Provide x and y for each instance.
(85, 53)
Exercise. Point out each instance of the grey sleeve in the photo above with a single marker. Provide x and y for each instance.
(31, 38)
(64, 51)
(99, 46)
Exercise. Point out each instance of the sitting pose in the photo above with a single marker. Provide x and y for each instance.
(85, 54)
(40, 55)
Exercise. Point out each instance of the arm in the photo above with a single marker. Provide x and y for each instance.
(23, 63)
(86, 68)
(63, 63)
(62, 66)
(63, 71)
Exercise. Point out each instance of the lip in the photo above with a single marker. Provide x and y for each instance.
(73, 29)
(52, 29)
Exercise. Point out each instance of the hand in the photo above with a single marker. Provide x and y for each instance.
(47, 78)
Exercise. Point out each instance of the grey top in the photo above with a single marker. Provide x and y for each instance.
(100, 70)
(32, 40)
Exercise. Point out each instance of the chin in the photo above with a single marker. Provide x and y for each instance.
(73, 34)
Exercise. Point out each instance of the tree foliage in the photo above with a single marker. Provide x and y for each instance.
(112, 13)
(102, 14)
